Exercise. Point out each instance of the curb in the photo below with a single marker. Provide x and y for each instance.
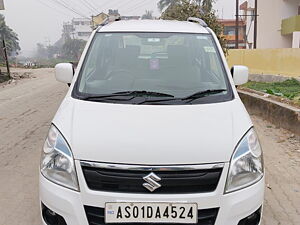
(280, 114)
(268, 78)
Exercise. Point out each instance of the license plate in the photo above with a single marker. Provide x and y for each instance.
(144, 212)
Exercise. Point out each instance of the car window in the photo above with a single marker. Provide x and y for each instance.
(177, 64)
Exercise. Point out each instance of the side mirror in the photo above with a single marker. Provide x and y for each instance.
(240, 74)
(64, 72)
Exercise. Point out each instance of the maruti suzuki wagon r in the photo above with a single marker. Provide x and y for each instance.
(152, 131)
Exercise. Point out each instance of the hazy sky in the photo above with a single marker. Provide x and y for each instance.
(41, 20)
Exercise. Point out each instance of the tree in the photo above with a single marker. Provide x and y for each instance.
(53, 51)
(10, 37)
(41, 52)
(73, 48)
(183, 9)
(148, 15)
(206, 5)
(162, 4)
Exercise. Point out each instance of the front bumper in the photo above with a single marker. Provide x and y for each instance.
(70, 204)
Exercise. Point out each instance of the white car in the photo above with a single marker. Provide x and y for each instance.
(152, 131)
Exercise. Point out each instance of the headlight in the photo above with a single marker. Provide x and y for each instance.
(57, 163)
(246, 166)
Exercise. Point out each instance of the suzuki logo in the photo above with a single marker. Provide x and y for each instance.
(151, 180)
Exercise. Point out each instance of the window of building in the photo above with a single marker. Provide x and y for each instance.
(229, 30)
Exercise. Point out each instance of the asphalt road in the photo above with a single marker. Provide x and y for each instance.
(26, 109)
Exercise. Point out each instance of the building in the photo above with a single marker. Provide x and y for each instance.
(82, 28)
(67, 31)
(278, 23)
(229, 32)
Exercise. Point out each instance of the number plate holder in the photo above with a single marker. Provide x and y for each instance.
(151, 212)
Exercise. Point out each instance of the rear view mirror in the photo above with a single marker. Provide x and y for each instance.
(64, 72)
(240, 74)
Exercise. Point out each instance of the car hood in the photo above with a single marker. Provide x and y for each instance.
(152, 135)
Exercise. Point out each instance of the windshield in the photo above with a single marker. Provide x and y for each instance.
(161, 65)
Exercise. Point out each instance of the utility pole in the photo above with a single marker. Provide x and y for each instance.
(2, 5)
(255, 25)
(237, 25)
(6, 57)
(4, 45)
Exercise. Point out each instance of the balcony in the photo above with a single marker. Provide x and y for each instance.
(290, 25)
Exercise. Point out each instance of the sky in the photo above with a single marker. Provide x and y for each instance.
(40, 21)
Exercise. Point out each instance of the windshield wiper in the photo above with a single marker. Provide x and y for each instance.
(145, 93)
(202, 94)
(126, 95)
(189, 99)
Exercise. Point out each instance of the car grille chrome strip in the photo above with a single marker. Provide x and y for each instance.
(151, 168)
(173, 179)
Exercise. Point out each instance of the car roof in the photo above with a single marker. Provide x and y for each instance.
(153, 26)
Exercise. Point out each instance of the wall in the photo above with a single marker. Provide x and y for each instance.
(296, 39)
(284, 62)
(271, 13)
(229, 33)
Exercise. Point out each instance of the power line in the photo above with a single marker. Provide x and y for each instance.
(124, 3)
(74, 9)
(106, 3)
(134, 6)
(76, 6)
(84, 4)
(51, 7)
(89, 4)
(91, 10)
(137, 6)
(69, 8)
(142, 4)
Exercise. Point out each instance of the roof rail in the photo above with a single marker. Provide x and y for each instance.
(117, 18)
(197, 20)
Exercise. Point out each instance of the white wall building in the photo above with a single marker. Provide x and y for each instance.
(82, 28)
(278, 23)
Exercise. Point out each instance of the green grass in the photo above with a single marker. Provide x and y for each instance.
(288, 89)
(52, 62)
(3, 77)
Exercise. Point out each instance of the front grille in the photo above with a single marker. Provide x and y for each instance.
(95, 216)
(172, 181)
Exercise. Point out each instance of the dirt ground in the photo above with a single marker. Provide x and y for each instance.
(26, 109)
